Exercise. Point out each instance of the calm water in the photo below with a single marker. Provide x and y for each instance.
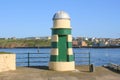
(99, 56)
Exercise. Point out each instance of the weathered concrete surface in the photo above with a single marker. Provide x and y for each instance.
(7, 62)
(37, 73)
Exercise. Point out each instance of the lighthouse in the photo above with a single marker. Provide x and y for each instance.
(61, 58)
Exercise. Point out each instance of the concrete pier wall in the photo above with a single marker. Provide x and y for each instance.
(7, 62)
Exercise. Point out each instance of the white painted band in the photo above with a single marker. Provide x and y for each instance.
(54, 38)
(70, 51)
(54, 51)
(61, 23)
(69, 38)
(62, 66)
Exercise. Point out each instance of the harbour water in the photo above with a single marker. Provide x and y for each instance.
(98, 56)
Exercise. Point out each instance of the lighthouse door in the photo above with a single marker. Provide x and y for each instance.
(62, 47)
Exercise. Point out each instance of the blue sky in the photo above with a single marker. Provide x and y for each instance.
(89, 18)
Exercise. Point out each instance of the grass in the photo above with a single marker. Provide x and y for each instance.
(24, 43)
(5, 53)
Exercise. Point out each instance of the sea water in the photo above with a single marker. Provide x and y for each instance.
(98, 56)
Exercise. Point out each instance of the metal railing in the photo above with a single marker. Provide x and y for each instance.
(82, 58)
(42, 59)
(32, 59)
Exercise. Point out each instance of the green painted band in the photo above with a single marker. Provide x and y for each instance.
(54, 44)
(61, 31)
(55, 58)
(69, 44)
(70, 58)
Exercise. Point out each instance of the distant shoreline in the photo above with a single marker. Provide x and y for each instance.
(73, 47)
(99, 47)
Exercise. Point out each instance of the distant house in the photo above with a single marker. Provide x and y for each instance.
(37, 38)
(107, 43)
(45, 38)
(101, 44)
(83, 44)
(75, 43)
(30, 38)
(115, 42)
(95, 44)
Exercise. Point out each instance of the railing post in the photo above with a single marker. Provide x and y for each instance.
(74, 56)
(89, 62)
(38, 50)
(28, 59)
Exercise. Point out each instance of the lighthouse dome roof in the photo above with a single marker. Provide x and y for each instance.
(61, 15)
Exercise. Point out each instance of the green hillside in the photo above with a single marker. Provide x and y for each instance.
(24, 43)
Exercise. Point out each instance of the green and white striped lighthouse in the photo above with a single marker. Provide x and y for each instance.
(61, 58)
